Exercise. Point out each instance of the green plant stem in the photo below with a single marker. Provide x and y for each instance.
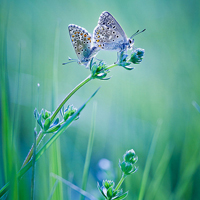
(33, 167)
(111, 66)
(120, 182)
(30, 153)
(89, 150)
(23, 170)
(69, 95)
(41, 134)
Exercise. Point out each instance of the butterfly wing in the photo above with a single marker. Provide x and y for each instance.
(108, 34)
(81, 41)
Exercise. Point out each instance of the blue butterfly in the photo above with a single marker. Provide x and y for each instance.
(82, 43)
(109, 35)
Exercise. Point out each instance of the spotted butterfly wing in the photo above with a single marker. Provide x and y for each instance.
(108, 34)
(81, 41)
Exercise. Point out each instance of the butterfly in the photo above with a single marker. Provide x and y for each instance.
(109, 35)
(82, 43)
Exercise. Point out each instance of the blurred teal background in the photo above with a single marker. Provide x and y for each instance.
(156, 95)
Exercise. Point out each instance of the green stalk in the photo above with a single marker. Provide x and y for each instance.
(33, 168)
(47, 145)
(41, 133)
(149, 161)
(111, 66)
(69, 95)
(89, 150)
(55, 151)
(30, 153)
(26, 165)
(120, 182)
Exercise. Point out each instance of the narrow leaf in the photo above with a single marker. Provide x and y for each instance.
(123, 196)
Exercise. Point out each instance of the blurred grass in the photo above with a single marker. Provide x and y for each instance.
(55, 154)
(163, 87)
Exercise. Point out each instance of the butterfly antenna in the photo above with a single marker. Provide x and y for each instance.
(70, 61)
(98, 59)
(136, 33)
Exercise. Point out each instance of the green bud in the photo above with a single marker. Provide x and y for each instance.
(137, 56)
(46, 114)
(99, 71)
(47, 123)
(108, 183)
(130, 157)
(69, 111)
(66, 116)
(126, 167)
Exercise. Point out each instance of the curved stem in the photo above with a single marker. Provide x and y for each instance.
(41, 134)
(69, 95)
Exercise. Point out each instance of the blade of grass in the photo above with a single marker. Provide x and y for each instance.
(195, 104)
(55, 155)
(187, 175)
(70, 178)
(41, 134)
(33, 167)
(89, 149)
(53, 189)
(34, 153)
(48, 143)
(74, 187)
(160, 171)
(9, 153)
(149, 160)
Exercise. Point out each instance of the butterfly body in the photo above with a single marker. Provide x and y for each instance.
(82, 43)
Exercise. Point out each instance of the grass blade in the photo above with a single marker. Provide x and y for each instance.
(33, 168)
(160, 172)
(149, 160)
(48, 143)
(53, 189)
(89, 149)
(74, 187)
(54, 152)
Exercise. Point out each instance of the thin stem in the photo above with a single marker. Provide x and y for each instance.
(30, 153)
(120, 182)
(41, 134)
(69, 95)
(23, 170)
(33, 168)
(89, 150)
(111, 66)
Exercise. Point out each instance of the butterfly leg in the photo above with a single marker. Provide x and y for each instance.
(118, 57)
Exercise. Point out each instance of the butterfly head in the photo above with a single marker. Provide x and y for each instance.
(130, 43)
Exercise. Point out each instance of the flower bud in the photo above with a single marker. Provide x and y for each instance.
(137, 56)
(47, 124)
(70, 110)
(130, 157)
(99, 71)
(126, 167)
(108, 183)
(46, 114)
